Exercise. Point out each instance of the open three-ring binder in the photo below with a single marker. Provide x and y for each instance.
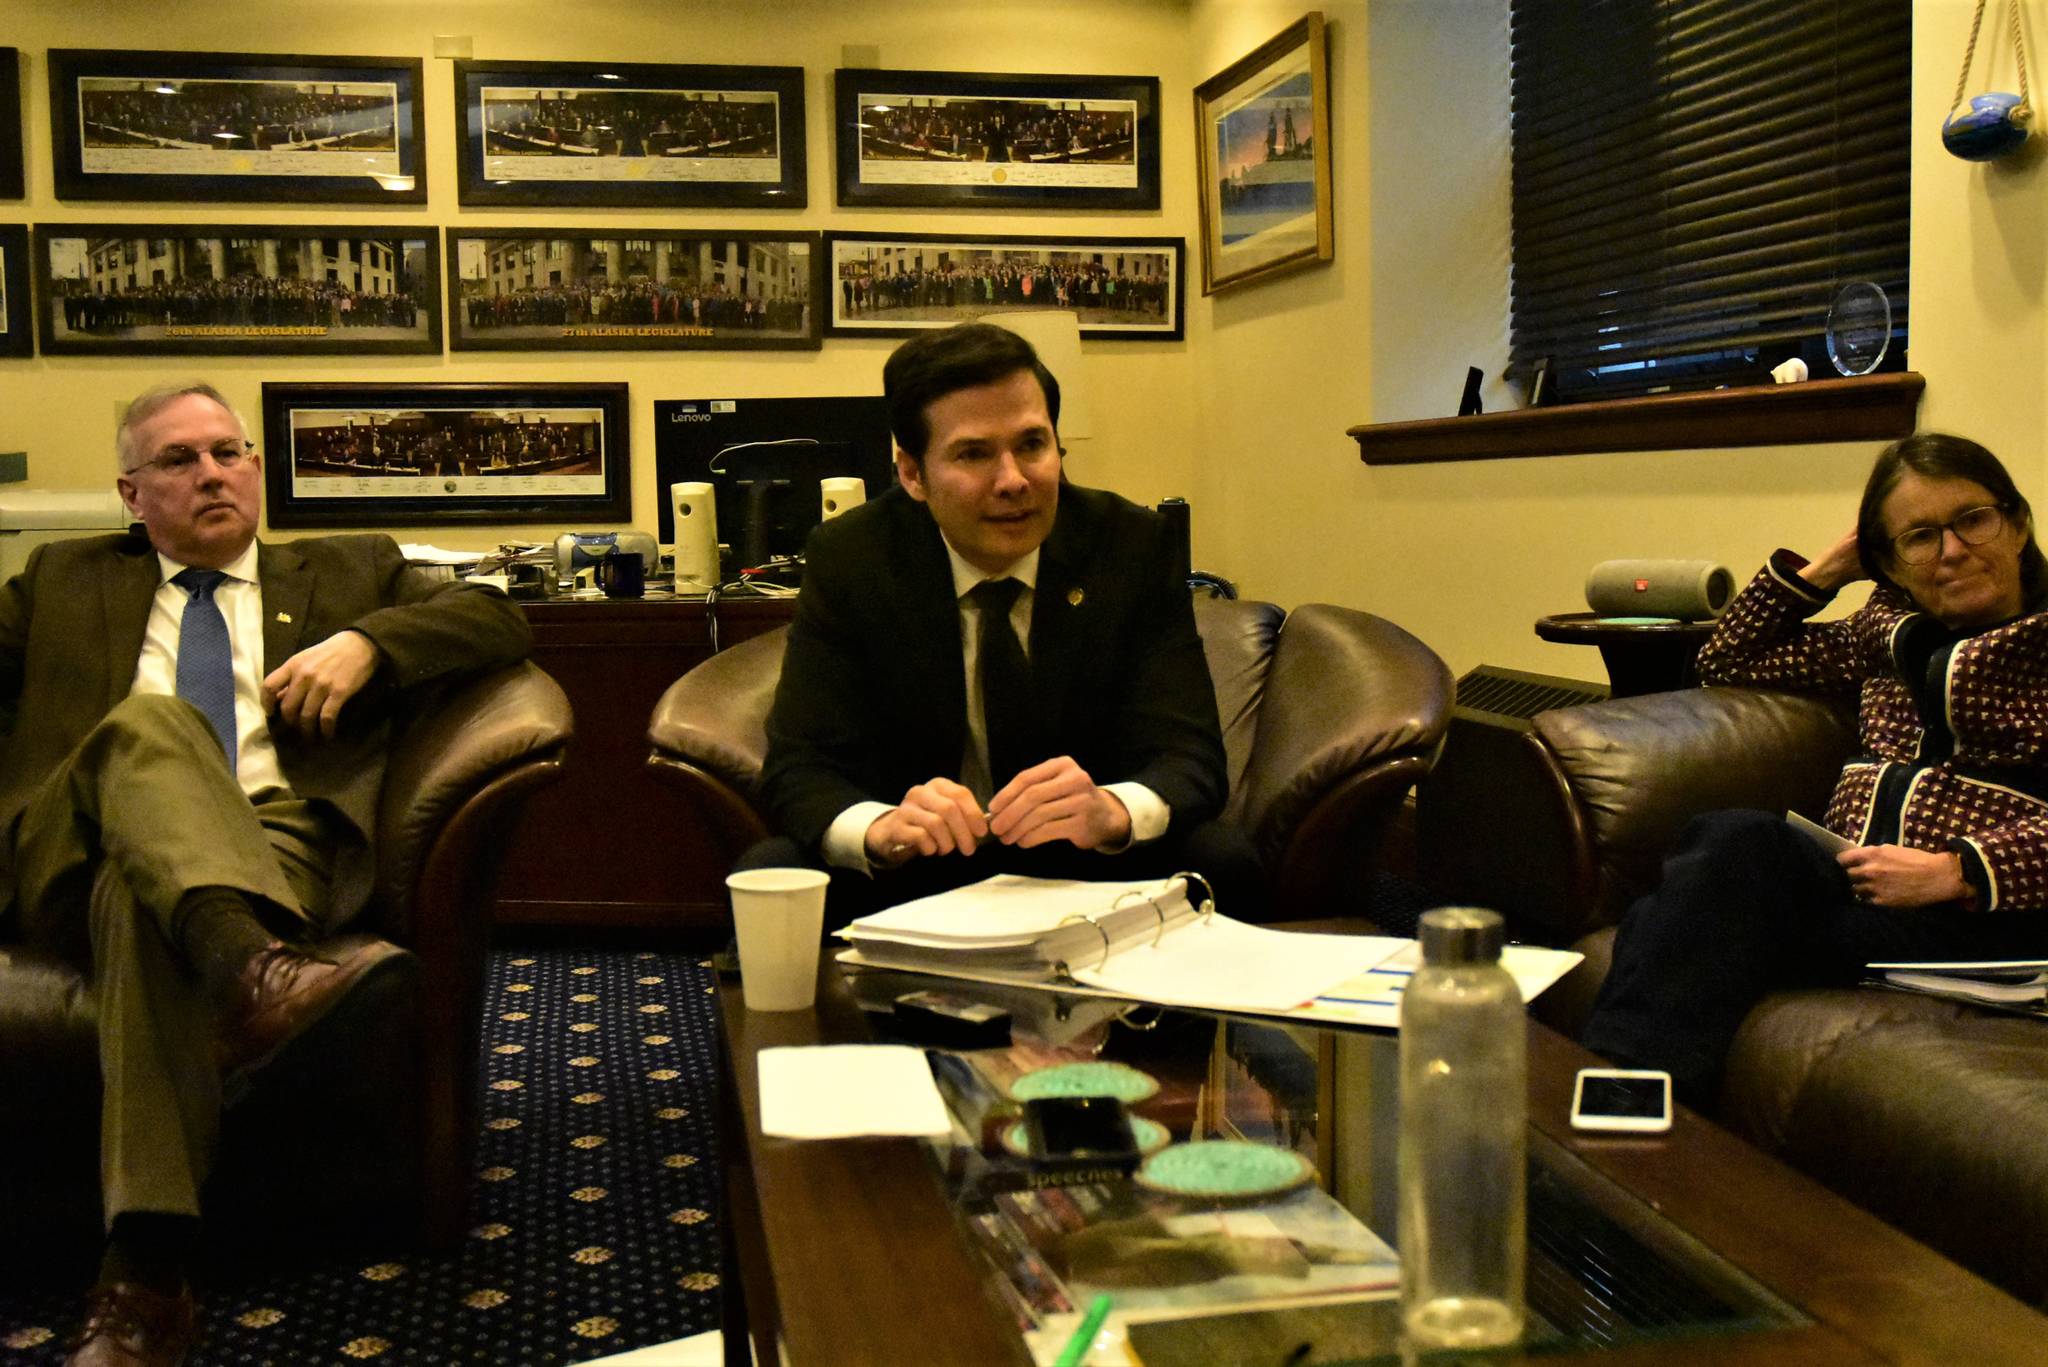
(1146, 941)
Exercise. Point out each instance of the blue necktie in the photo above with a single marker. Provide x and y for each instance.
(206, 661)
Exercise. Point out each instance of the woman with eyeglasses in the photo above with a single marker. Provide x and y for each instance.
(1945, 805)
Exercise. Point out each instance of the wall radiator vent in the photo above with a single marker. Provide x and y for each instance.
(1492, 692)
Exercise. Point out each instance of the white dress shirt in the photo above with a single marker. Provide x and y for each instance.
(845, 843)
(240, 597)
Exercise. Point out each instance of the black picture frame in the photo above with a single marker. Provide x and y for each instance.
(648, 167)
(554, 289)
(221, 289)
(888, 153)
(16, 317)
(288, 150)
(1138, 292)
(461, 431)
(13, 183)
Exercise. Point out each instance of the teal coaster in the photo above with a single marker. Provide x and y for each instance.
(1119, 1080)
(1150, 1134)
(1225, 1169)
(1638, 621)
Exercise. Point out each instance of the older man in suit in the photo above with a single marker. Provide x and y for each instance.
(188, 786)
(992, 670)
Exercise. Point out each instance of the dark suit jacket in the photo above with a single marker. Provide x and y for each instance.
(873, 697)
(71, 629)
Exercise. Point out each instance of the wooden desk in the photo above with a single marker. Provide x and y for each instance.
(608, 846)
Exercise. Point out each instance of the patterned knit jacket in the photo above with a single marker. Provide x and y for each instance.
(1954, 749)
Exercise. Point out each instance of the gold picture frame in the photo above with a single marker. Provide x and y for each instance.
(1262, 140)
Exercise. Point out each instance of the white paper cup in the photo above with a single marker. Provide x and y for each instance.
(778, 915)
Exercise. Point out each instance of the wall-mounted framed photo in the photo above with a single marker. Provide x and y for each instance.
(1262, 139)
(943, 139)
(237, 126)
(633, 288)
(621, 134)
(199, 289)
(399, 455)
(894, 284)
(17, 334)
(13, 184)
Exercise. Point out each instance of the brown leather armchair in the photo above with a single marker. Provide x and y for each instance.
(1931, 1114)
(1329, 718)
(380, 1141)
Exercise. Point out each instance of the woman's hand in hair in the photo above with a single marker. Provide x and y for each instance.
(1839, 564)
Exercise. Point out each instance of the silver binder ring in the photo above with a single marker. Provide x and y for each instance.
(1205, 908)
(1151, 902)
(1077, 916)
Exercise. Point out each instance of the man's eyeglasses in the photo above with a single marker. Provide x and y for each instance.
(1920, 545)
(177, 461)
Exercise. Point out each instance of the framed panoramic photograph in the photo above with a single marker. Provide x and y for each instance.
(17, 334)
(13, 185)
(894, 284)
(590, 289)
(939, 139)
(397, 455)
(236, 126)
(1262, 138)
(621, 134)
(217, 289)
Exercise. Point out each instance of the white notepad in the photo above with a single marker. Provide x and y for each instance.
(838, 1091)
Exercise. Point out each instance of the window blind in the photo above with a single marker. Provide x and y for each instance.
(1693, 180)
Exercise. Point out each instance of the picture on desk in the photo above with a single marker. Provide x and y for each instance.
(580, 289)
(197, 289)
(236, 127)
(393, 455)
(893, 285)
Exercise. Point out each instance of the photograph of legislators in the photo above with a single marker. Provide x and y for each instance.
(567, 289)
(893, 285)
(168, 289)
(940, 138)
(17, 336)
(387, 455)
(224, 126)
(545, 133)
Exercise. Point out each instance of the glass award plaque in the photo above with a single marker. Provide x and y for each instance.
(1859, 328)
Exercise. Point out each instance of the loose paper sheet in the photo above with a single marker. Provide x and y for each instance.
(837, 1091)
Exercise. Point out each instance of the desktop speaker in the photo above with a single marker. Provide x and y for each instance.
(696, 522)
(1690, 590)
(840, 494)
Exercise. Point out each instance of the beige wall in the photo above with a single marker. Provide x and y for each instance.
(61, 410)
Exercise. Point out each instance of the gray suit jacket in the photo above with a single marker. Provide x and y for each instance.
(71, 629)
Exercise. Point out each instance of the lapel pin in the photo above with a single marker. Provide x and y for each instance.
(285, 617)
(1074, 597)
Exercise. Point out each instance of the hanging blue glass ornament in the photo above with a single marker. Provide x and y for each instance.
(1993, 126)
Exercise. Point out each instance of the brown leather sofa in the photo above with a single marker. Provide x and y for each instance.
(1329, 718)
(379, 1143)
(1930, 1114)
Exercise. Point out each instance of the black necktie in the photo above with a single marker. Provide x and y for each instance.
(206, 660)
(1005, 678)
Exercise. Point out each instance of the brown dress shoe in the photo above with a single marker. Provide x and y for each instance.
(285, 991)
(130, 1325)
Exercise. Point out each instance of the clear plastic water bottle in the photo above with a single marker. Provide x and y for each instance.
(1464, 1062)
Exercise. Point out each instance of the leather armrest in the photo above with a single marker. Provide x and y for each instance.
(715, 717)
(1346, 691)
(1635, 770)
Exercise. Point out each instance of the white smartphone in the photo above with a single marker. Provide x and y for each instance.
(1622, 1100)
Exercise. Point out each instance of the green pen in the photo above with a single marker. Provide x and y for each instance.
(1091, 1324)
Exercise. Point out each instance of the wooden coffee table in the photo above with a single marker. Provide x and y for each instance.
(849, 1252)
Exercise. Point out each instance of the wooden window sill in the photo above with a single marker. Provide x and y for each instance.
(1870, 407)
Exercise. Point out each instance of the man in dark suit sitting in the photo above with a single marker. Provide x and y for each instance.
(199, 728)
(992, 670)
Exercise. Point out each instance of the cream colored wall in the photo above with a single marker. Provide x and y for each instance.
(1469, 554)
(61, 410)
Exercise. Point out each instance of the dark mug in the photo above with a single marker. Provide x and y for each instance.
(622, 574)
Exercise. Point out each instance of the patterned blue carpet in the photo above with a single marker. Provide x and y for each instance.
(594, 1207)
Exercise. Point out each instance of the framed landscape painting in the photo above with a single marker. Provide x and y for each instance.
(634, 288)
(625, 134)
(894, 284)
(940, 139)
(1262, 138)
(236, 126)
(237, 289)
(396, 455)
